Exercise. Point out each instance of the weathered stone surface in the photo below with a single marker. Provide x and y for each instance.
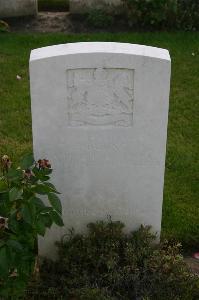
(83, 6)
(17, 8)
(99, 113)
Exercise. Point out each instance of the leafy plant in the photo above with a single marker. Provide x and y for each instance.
(99, 18)
(24, 216)
(188, 14)
(150, 13)
(107, 264)
(4, 27)
(158, 14)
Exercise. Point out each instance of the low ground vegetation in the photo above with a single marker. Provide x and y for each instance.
(107, 264)
(139, 14)
(157, 14)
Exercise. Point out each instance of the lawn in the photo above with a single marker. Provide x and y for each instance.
(181, 204)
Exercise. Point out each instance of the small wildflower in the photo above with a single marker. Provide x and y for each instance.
(14, 273)
(18, 216)
(28, 173)
(2, 223)
(6, 163)
(4, 26)
(18, 77)
(193, 54)
(44, 163)
(196, 255)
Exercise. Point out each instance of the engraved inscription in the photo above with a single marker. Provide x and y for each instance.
(100, 97)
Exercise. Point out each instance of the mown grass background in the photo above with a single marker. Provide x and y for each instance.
(181, 204)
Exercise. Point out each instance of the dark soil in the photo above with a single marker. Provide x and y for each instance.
(56, 22)
(44, 22)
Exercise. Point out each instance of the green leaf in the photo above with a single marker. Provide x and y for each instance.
(4, 196)
(40, 175)
(3, 186)
(44, 178)
(4, 204)
(27, 161)
(40, 227)
(55, 202)
(47, 220)
(46, 209)
(14, 174)
(52, 187)
(26, 214)
(37, 202)
(33, 210)
(45, 171)
(13, 224)
(4, 261)
(41, 189)
(2, 243)
(15, 245)
(15, 194)
(57, 219)
(35, 170)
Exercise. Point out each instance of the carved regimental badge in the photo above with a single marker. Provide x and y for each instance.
(100, 97)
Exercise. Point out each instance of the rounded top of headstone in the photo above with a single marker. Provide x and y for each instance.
(99, 47)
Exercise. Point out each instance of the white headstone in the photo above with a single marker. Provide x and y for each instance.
(99, 114)
(18, 8)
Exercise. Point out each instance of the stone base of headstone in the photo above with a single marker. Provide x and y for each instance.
(17, 8)
(84, 6)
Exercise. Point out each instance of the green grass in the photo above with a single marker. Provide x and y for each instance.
(53, 5)
(181, 204)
